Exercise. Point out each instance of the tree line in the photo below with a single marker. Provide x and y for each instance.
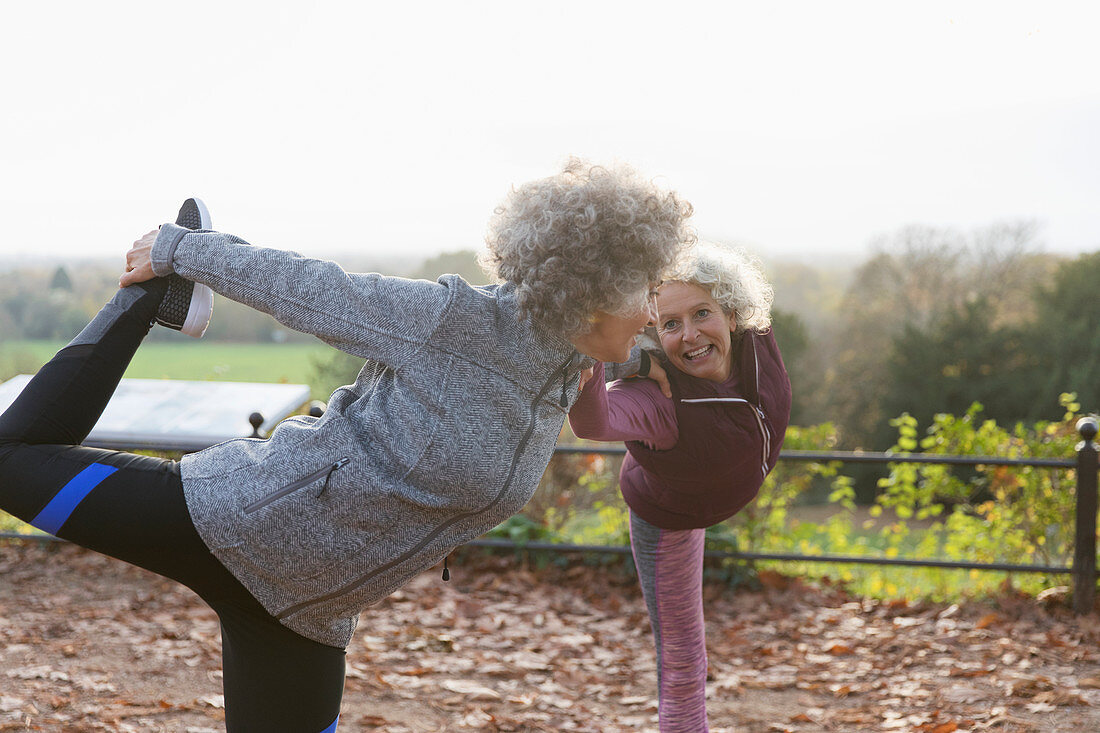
(936, 320)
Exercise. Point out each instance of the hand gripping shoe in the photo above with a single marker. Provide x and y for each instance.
(188, 306)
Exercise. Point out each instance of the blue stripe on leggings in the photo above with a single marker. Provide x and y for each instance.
(332, 728)
(57, 512)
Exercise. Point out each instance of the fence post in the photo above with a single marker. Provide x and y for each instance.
(1084, 549)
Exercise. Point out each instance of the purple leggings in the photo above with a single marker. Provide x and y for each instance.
(670, 571)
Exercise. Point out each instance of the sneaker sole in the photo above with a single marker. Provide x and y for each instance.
(199, 312)
(185, 219)
(204, 214)
(201, 309)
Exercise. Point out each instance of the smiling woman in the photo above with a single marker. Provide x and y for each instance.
(695, 332)
(698, 458)
(734, 280)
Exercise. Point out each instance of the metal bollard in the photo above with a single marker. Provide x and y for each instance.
(1084, 550)
(256, 420)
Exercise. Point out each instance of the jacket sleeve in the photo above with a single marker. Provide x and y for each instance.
(386, 319)
(624, 411)
(624, 369)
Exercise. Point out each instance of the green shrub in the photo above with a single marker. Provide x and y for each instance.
(982, 514)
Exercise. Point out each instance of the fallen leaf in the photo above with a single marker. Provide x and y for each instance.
(373, 721)
(470, 689)
(988, 620)
(772, 579)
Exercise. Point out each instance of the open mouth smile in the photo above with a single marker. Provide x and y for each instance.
(699, 353)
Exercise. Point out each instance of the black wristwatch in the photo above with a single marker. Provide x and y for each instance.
(643, 366)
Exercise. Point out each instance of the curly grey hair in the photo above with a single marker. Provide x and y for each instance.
(734, 279)
(585, 240)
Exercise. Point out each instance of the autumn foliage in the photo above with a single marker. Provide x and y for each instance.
(90, 644)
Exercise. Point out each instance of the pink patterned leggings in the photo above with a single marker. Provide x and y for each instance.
(670, 571)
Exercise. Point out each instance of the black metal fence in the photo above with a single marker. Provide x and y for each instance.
(1083, 569)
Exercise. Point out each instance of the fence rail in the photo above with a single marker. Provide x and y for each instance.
(1083, 569)
(867, 457)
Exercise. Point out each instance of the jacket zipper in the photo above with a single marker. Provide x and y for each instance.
(291, 488)
(758, 413)
(764, 432)
(364, 579)
(767, 440)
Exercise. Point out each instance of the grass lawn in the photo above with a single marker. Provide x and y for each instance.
(201, 360)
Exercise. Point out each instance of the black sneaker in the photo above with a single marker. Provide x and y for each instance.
(188, 306)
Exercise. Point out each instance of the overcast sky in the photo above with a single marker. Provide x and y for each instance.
(799, 129)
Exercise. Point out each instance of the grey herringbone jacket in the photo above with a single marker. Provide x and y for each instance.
(444, 434)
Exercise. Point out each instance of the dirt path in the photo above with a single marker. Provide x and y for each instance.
(89, 644)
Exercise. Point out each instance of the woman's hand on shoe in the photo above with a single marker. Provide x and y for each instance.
(139, 262)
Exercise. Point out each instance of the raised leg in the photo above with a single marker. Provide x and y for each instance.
(63, 401)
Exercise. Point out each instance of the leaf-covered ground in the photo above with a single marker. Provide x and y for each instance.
(89, 644)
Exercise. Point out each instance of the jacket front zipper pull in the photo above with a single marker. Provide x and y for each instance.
(339, 464)
(446, 572)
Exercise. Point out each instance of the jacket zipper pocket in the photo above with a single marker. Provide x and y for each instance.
(439, 529)
(291, 488)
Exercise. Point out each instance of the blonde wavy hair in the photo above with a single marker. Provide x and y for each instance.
(585, 240)
(733, 278)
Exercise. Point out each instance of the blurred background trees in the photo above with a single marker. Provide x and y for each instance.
(937, 319)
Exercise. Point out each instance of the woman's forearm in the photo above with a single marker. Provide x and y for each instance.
(369, 315)
(627, 411)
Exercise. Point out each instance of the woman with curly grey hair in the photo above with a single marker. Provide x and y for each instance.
(698, 458)
(583, 242)
(444, 434)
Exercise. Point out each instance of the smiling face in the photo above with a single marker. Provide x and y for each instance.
(695, 331)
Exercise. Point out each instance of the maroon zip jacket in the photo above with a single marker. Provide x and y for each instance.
(729, 436)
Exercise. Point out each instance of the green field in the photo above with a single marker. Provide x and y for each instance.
(202, 360)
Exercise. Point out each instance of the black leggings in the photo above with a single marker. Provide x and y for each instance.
(132, 507)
